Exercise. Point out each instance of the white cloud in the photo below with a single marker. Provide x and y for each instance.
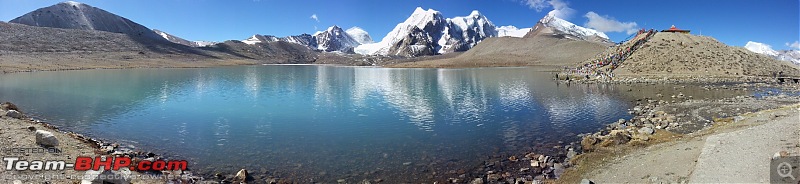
(609, 24)
(560, 8)
(537, 5)
(314, 16)
(795, 45)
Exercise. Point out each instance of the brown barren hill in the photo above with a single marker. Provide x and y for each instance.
(686, 55)
(540, 50)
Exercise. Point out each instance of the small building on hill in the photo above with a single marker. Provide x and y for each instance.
(674, 29)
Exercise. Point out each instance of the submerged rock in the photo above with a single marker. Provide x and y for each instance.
(46, 138)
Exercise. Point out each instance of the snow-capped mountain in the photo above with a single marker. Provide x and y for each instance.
(75, 15)
(303, 39)
(785, 55)
(335, 39)
(332, 39)
(178, 40)
(761, 48)
(466, 32)
(512, 31)
(204, 43)
(789, 55)
(427, 32)
(361, 36)
(550, 24)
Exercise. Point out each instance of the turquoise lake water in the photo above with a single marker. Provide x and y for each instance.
(322, 123)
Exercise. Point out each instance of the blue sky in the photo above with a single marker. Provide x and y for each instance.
(734, 22)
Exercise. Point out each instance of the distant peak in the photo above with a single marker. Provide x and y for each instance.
(419, 10)
(549, 17)
(475, 13)
(72, 3)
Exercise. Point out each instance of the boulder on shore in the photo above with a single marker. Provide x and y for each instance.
(242, 176)
(588, 143)
(616, 137)
(14, 114)
(46, 138)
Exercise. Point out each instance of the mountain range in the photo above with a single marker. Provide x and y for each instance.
(425, 32)
(785, 55)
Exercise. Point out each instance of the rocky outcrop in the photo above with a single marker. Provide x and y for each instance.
(416, 43)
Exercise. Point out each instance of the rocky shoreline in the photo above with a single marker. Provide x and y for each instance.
(91, 147)
(654, 121)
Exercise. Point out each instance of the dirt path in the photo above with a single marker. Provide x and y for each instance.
(732, 153)
(744, 155)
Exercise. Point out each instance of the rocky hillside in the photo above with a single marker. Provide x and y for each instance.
(23, 38)
(675, 54)
(280, 52)
(178, 40)
(74, 15)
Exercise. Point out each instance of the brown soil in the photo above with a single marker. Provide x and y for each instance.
(509, 51)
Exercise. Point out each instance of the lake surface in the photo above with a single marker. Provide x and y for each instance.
(323, 123)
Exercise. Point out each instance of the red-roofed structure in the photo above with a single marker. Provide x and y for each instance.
(674, 29)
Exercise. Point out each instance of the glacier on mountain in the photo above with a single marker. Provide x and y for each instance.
(358, 34)
(512, 31)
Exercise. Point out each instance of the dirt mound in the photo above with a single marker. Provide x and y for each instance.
(509, 51)
(677, 54)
